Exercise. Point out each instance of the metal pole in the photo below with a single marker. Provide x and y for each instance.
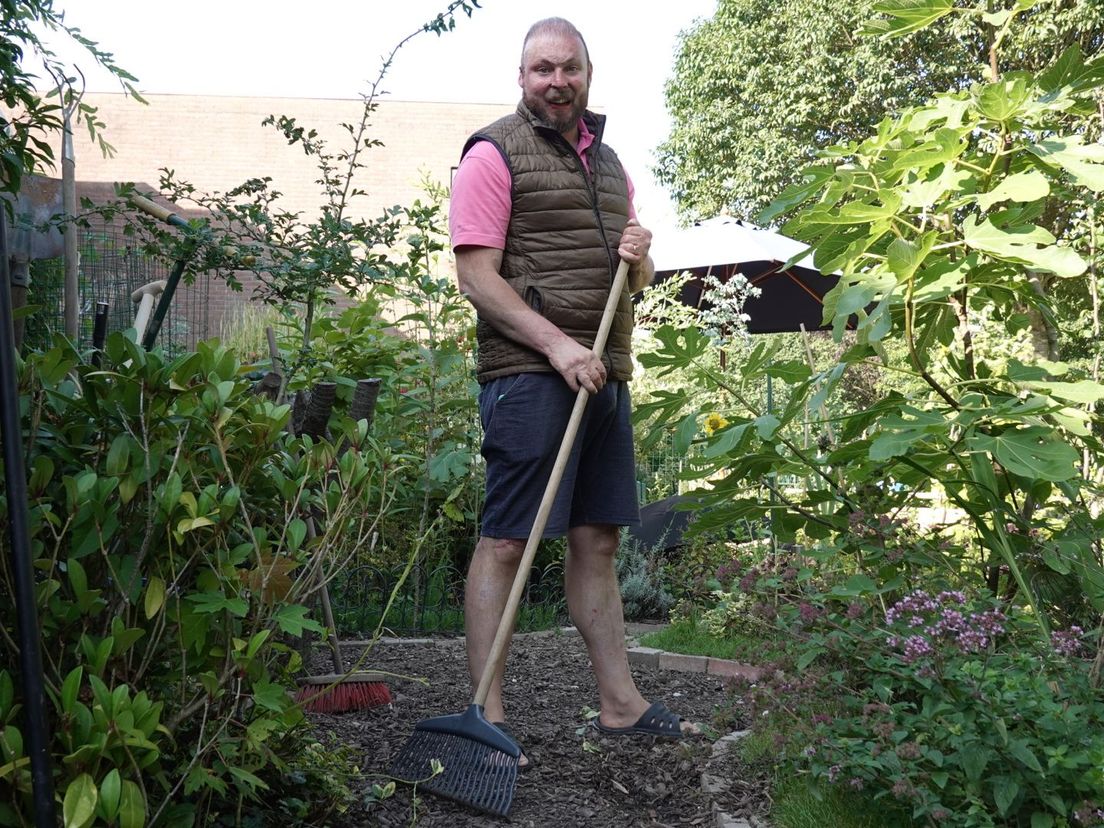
(163, 304)
(169, 217)
(72, 233)
(772, 475)
(15, 481)
(99, 333)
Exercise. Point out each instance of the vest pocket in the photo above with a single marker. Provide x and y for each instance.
(533, 299)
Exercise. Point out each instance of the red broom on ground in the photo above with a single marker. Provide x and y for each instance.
(339, 691)
(341, 694)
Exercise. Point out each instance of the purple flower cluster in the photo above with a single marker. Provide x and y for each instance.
(729, 570)
(1067, 642)
(748, 582)
(941, 617)
(808, 612)
(913, 647)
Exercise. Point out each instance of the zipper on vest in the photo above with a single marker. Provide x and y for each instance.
(588, 177)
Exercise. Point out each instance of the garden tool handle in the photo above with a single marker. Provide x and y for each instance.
(156, 210)
(506, 625)
(170, 217)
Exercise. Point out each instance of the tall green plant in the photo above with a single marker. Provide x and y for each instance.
(300, 261)
(427, 406)
(936, 222)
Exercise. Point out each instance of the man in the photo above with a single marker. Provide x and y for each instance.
(541, 214)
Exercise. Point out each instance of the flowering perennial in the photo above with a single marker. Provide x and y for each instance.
(941, 618)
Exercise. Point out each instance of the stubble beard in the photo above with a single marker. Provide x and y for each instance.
(561, 123)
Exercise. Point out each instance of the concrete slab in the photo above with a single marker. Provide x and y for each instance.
(685, 663)
(644, 656)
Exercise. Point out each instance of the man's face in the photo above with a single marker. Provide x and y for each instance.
(555, 78)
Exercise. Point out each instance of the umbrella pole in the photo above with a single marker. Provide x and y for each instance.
(15, 481)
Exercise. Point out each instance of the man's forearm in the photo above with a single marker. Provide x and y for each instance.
(477, 269)
(500, 306)
(641, 275)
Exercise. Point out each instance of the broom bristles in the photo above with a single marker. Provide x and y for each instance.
(473, 773)
(343, 697)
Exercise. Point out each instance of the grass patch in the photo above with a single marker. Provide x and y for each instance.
(797, 806)
(690, 637)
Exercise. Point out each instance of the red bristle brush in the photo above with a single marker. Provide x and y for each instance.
(339, 692)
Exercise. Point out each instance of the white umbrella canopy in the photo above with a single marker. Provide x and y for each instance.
(723, 241)
(790, 289)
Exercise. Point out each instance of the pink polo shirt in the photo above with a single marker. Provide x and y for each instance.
(479, 213)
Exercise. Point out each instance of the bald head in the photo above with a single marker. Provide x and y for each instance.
(556, 26)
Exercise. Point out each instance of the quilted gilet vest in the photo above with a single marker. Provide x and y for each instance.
(561, 245)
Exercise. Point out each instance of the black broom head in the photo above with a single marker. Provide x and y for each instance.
(479, 763)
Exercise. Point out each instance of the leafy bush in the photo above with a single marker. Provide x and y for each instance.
(950, 709)
(172, 563)
(427, 407)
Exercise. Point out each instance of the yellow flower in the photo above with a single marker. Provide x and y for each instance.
(714, 422)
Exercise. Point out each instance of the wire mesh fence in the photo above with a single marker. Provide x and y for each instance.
(432, 600)
(111, 268)
(659, 472)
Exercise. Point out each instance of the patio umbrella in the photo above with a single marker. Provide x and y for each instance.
(791, 297)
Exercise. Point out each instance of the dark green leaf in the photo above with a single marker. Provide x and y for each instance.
(1031, 452)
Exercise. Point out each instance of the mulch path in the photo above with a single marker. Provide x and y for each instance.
(579, 778)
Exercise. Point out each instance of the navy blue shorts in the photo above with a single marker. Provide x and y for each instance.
(524, 417)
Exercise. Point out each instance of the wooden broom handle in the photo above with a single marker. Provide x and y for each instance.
(152, 208)
(506, 625)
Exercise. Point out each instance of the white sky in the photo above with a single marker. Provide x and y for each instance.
(333, 48)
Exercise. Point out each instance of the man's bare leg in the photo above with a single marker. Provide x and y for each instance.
(490, 576)
(594, 601)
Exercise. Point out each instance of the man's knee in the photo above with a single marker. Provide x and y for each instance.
(502, 551)
(597, 541)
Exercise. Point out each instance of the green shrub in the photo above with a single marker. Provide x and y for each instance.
(172, 562)
(644, 594)
(427, 408)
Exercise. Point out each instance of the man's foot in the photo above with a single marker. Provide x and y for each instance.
(523, 761)
(657, 721)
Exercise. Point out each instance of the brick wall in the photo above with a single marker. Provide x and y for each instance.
(216, 143)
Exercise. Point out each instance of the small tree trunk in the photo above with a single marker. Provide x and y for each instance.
(1043, 332)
